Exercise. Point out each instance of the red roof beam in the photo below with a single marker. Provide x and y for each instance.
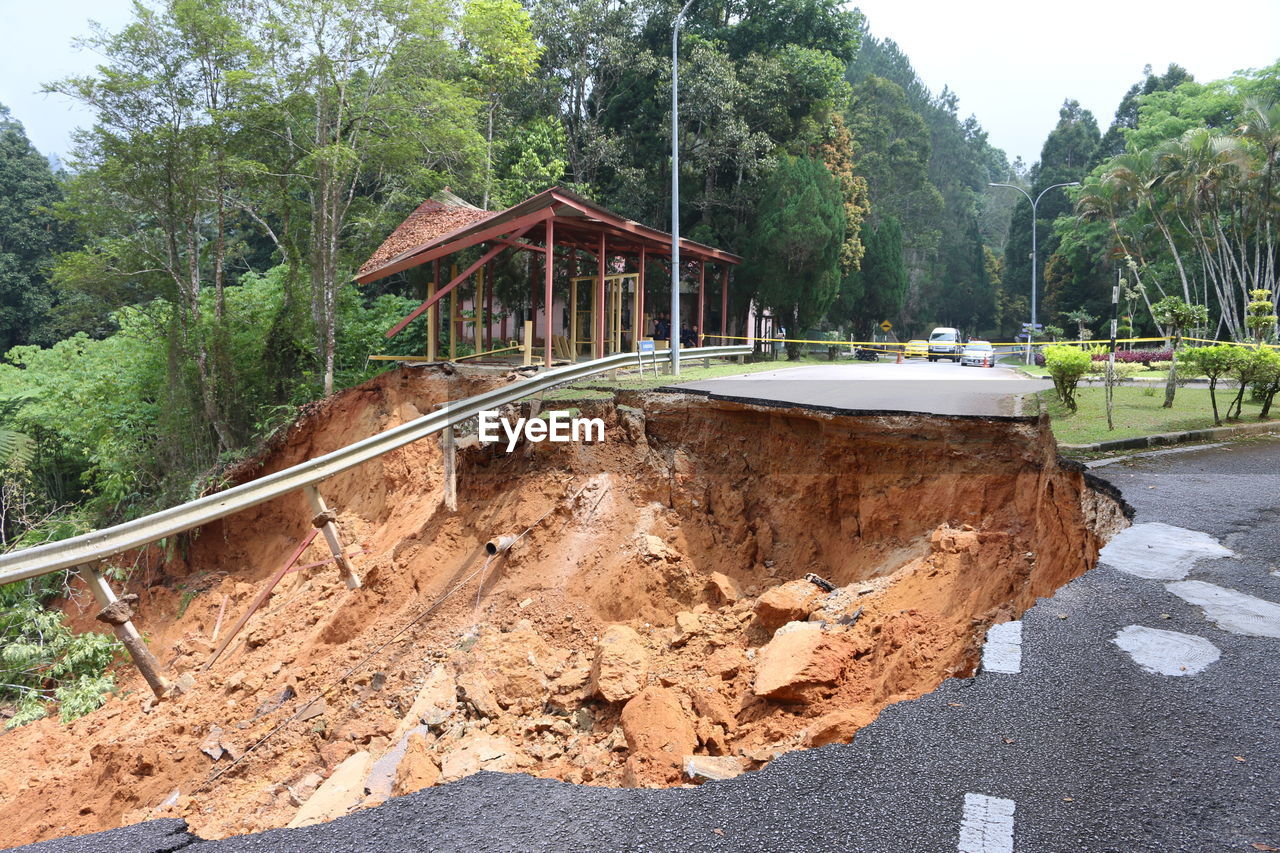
(463, 276)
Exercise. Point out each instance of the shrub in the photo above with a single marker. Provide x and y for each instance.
(1066, 366)
(1137, 356)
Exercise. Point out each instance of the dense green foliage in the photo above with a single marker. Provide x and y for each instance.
(1188, 205)
(29, 235)
(929, 169)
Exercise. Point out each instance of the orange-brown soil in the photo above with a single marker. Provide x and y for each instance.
(651, 627)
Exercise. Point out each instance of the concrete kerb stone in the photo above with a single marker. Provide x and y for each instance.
(1141, 441)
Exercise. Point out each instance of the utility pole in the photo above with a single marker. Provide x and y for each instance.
(1031, 331)
(675, 190)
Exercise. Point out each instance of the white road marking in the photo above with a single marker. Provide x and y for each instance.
(1003, 650)
(987, 826)
(1231, 610)
(1160, 551)
(1166, 652)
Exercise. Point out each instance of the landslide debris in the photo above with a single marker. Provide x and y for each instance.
(653, 627)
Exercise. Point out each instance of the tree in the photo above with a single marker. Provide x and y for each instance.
(1177, 317)
(1126, 117)
(29, 235)
(795, 255)
(1213, 362)
(1260, 317)
(1082, 319)
(878, 291)
(502, 51)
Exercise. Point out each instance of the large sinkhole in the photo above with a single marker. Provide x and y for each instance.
(714, 585)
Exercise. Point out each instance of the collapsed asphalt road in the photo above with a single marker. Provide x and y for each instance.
(1074, 746)
(913, 386)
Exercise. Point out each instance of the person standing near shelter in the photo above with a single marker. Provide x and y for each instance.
(661, 328)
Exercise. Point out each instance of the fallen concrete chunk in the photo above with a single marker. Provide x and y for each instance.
(476, 752)
(712, 768)
(339, 794)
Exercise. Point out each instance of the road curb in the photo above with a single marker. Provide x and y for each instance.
(1141, 441)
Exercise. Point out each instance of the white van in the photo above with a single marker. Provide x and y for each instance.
(945, 343)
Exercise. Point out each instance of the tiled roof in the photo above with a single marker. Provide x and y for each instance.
(433, 218)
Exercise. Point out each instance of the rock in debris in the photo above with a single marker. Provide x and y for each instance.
(836, 727)
(724, 587)
(712, 768)
(688, 625)
(621, 664)
(801, 655)
(659, 733)
(435, 703)
(724, 663)
(516, 665)
(791, 602)
(475, 688)
(339, 794)
(417, 769)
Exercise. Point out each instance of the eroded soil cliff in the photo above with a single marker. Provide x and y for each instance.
(653, 625)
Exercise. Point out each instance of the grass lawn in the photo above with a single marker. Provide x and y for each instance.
(1137, 411)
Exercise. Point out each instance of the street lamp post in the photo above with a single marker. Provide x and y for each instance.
(675, 192)
(1035, 202)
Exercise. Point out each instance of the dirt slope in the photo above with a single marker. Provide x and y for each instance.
(651, 627)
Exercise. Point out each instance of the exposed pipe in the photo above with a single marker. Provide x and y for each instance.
(499, 544)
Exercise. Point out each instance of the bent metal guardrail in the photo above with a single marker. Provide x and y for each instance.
(100, 544)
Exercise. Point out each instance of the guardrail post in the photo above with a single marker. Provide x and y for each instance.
(325, 520)
(449, 446)
(118, 613)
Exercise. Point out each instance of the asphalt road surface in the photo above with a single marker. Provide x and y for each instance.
(1079, 746)
(940, 388)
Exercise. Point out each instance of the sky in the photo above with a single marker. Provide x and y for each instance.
(1011, 63)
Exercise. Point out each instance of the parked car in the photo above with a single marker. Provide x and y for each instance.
(978, 354)
(916, 349)
(945, 342)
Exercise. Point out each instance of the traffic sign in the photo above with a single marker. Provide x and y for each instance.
(1037, 326)
(886, 325)
(646, 346)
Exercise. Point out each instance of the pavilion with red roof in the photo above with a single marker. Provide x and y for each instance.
(558, 229)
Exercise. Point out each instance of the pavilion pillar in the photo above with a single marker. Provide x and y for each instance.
(639, 330)
(702, 293)
(433, 313)
(724, 305)
(549, 269)
(488, 309)
(453, 316)
(599, 318)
